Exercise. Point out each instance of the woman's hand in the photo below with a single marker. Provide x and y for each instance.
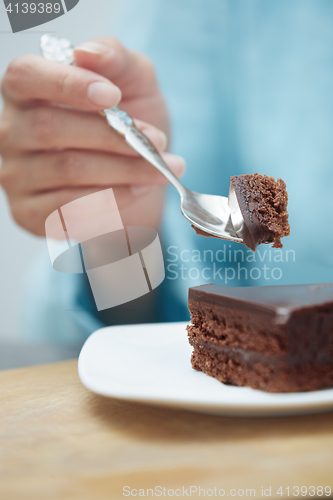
(56, 148)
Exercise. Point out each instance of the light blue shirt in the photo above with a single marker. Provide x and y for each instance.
(249, 85)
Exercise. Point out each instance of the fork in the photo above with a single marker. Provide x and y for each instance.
(218, 216)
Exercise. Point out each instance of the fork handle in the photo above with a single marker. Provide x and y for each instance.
(119, 120)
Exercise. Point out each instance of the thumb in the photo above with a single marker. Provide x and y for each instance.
(131, 71)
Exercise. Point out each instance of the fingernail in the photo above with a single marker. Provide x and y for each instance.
(175, 163)
(157, 137)
(140, 189)
(94, 48)
(103, 94)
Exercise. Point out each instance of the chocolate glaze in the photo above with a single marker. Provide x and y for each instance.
(202, 233)
(250, 358)
(277, 300)
(235, 353)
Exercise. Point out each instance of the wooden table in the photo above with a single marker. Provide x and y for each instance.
(59, 441)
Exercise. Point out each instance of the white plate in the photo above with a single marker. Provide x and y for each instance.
(151, 364)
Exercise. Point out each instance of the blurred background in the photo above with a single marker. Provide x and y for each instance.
(18, 248)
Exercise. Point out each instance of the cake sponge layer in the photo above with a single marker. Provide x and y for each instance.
(278, 339)
(263, 204)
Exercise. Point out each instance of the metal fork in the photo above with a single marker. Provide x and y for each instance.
(218, 216)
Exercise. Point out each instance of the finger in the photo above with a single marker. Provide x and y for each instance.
(132, 71)
(46, 128)
(74, 169)
(31, 211)
(32, 77)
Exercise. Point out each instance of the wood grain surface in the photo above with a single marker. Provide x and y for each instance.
(59, 441)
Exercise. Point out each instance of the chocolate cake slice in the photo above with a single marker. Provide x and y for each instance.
(274, 338)
(262, 202)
